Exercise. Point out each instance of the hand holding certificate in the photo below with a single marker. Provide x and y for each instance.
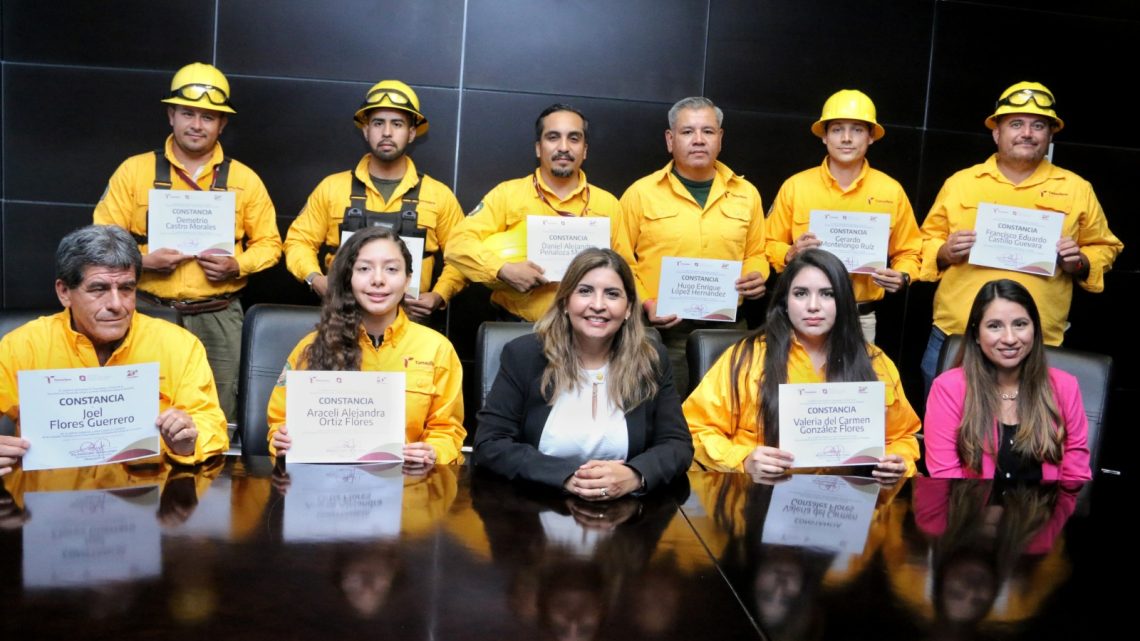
(859, 239)
(1017, 239)
(552, 242)
(89, 416)
(833, 424)
(192, 222)
(344, 417)
(698, 288)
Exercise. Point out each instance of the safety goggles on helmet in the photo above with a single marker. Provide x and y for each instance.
(394, 97)
(1022, 97)
(197, 91)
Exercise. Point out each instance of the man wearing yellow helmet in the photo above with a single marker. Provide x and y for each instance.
(203, 287)
(1018, 175)
(846, 182)
(489, 246)
(383, 189)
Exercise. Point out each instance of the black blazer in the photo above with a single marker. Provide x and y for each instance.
(515, 413)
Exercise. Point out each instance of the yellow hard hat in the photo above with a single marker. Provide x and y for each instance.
(849, 104)
(1026, 98)
(200, 85)
(393, 94)
(510, 245)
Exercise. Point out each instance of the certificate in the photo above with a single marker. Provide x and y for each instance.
(698, 288)
(416, 249)
(193, 222)
(88, 416)
(859, 239)
(553, 241)
(828, 424)
(1017, 239)
(820, 511)
(345, 417)
(343, 502)
(86, 538)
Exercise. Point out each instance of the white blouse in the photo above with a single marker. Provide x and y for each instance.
(584, 424)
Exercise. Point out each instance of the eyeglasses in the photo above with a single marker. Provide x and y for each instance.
(196, 92)
(1042, 99)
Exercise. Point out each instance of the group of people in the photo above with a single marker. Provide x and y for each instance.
(592, 401)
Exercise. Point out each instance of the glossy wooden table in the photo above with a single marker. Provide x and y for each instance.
(235, 552)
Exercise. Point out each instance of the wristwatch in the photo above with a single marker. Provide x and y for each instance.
(310, 278)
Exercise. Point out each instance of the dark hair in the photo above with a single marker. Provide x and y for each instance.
(1042, 429)
(101, 245)
(540, 125)
(337, 345)
(847, 358)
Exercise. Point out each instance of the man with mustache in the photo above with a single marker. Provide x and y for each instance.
(489, 246)
(97, 270)
(694, 207)
(846, 182)
(204, 288)
(386, 189)
(1019, 175)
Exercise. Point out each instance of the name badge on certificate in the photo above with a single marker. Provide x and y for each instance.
(89, 416)
(698, 288)
(416, 249)
(198, 223)
(831, 424)
(553, 241)
(345, 417)
(859, 239)
(1017, 239)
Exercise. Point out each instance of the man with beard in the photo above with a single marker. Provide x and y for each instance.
(204, 287)
(383, 189)
(494, 232)
(1017, 175)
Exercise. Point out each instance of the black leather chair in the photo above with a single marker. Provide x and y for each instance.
(269, 334)
(492, 337)
(1093, 372)
(705, 346)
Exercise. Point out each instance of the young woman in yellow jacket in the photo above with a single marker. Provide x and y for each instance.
(812, 335)
(363, 327)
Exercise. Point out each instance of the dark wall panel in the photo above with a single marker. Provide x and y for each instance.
(944, 154)
(292, 148)
(635, 49)
(1069, 54)
(126, 33)
(30, 236)
(363, 40)
(52, 155)
(1111, 170)
(788, 56)
(627, 140)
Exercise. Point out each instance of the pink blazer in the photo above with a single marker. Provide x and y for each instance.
(944, 415)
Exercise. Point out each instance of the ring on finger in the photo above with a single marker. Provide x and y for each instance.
(604, 492)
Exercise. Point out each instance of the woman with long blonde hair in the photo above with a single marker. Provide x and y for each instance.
(586, 402)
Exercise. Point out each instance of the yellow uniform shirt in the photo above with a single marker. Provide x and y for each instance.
(724, 436)
(505, 208)
(257, 242)
(659, 218)
(184, 378)
(437, 213)
(1050, 188)
(872, 191)
(433, 410)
